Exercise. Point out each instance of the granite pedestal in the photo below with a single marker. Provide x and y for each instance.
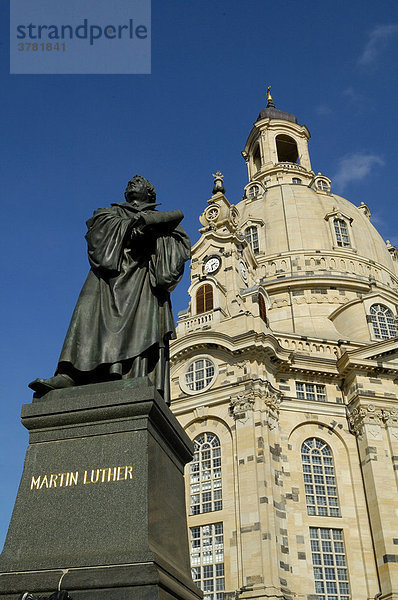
(100, 511)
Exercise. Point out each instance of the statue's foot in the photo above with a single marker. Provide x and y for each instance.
(116, 371)
(58, 382)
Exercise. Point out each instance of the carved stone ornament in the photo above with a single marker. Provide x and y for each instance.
(390, 417)
(240, 404)
(270, 399)
(273, 398)
(365, 415)
(212, 212)
(218, 183)
(234, 216)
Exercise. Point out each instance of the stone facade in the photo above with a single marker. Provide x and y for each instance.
(286, 364)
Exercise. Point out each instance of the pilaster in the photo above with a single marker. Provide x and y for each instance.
(375, 425)
(261, 501)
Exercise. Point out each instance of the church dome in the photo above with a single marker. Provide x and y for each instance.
(270, 112)
(322, 262)
(297, 217)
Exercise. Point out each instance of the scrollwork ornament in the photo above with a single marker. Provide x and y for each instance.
(273, 398)
(363, 416)
(390, 417)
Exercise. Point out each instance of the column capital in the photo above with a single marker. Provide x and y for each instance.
(365, 415)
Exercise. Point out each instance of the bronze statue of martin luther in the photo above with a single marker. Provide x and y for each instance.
(122, 322)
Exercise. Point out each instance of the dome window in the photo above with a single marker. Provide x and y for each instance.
(286, 148)
(253, 192)
(257, 159)
(322, 185)
(296, 180)
(383, 322)
(204, 298)
(251, 235)
(341, 230)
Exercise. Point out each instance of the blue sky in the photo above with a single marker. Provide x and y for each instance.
(71, 142)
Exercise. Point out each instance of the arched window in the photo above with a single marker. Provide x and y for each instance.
(286, 148)
(262, 308)
(341, 230)
(384, 326)
(251, 234)
(257, 158)
(204, 298)
(205, 475)
(319, 478)
(296, 180)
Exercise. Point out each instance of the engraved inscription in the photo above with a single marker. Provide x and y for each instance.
(89, 476)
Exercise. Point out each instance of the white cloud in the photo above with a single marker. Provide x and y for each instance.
(354, 96)
(356, 101)
(324, 109)
(355, 167)
(378, 39)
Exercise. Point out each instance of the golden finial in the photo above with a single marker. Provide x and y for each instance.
(270, 100)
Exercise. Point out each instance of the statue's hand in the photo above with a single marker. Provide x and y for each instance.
(136, 234)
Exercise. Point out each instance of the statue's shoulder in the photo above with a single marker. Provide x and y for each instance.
(102, 211)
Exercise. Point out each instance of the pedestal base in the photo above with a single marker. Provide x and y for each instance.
(100, 511)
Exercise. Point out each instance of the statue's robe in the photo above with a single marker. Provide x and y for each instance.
(123, 314)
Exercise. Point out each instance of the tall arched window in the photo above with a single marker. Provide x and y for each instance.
(384, 326)
(319, 478)
(204, 298)
(262, 308)
(205, 475)
(341, 230)
(251, 234)
(257, 158)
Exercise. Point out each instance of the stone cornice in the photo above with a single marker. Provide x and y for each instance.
(373, 357)
(304, 280)
(237, 345)
(260, 346)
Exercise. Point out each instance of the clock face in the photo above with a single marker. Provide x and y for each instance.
(243, 270)
(212, 264)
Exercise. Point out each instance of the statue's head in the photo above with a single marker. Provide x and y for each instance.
(140, 193)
